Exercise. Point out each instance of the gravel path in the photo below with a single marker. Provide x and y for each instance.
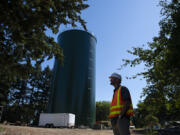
(21, 130)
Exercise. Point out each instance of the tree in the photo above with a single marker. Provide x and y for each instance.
(161, 59)
(151, 120)
(102, 110)
(23, 41)
(41, 93)
(27, 99)
(139, 115)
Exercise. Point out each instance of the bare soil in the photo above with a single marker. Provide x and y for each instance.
(23, 130)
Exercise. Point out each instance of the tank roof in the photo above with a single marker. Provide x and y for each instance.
(78, 29)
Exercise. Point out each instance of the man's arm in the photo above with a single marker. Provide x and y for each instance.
(125, 108)
(126, 97)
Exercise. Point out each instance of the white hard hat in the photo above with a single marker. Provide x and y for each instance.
(116, 75)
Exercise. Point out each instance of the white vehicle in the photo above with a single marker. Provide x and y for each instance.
(57, 120)
(132, 127)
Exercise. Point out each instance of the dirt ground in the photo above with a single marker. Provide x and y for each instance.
(22, 130)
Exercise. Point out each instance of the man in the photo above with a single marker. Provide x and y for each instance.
(121, 107)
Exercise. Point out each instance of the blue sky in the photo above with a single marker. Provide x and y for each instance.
(118, 26)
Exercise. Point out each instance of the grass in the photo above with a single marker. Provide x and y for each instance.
(1, 129)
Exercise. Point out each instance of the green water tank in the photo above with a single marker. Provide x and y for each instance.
(73, 84)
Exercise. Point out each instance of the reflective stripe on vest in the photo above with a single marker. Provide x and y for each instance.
(116, 109)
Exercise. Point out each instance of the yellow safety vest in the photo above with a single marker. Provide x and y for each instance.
(117, 104)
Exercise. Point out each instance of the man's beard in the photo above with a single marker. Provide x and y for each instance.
(112, 82)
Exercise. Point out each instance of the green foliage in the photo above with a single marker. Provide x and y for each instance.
(1, 129)
(23, 41)
(161, 59)
(27, 99)
(151, 120)
(102, 110)
(139, 115)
